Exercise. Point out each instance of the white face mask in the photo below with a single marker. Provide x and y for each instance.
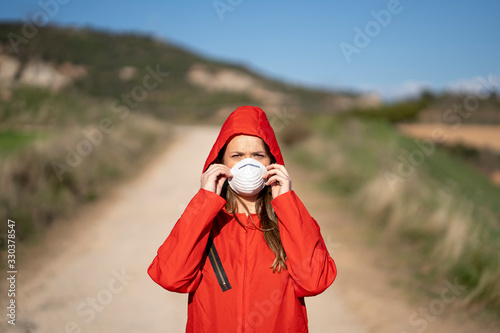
(247, 177)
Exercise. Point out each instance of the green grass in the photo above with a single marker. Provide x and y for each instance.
(401, 111)
(11, 141)
(34, 107)
(37, 127)
(445, 211)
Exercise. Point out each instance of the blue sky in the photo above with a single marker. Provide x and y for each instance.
(437, 44)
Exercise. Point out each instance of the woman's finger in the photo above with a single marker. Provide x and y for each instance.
(274, 172)
(277, 166)
(278, 180)
(216, 170)
(278, 172)
(211, 178)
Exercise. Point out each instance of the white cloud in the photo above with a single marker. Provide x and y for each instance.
(473, 85)
(480, 85)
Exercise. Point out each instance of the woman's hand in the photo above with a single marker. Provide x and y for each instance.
(278, 178)
(215, 176)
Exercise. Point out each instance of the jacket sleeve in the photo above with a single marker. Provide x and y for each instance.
(177, 264)
(309, 264)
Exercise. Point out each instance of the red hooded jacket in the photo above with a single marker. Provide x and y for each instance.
(231, 286)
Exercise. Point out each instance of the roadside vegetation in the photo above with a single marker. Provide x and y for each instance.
(54, 156)
(442, 215)
(453, 109)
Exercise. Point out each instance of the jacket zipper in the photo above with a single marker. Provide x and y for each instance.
(244, 279)
(217, 266)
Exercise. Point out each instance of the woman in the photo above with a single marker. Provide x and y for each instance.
(245, 249)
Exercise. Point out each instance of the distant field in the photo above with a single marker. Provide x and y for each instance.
(478, 136)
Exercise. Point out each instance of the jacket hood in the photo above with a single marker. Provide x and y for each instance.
(247, 120)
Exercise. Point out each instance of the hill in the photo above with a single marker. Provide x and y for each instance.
(110, 65)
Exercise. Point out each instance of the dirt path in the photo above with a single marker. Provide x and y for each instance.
(90, 275)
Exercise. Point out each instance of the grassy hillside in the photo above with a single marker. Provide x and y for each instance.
(64, 159)
(104, 54)
(447, 108)
(441, 215)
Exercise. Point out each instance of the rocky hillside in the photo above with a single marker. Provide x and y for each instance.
(37, 73)
(106, 65)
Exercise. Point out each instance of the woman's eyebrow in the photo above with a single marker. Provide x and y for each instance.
(241, 153)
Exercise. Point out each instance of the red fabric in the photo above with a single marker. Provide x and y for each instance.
(260, 300)
(248, 120)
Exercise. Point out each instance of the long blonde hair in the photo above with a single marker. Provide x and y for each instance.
(265, 212)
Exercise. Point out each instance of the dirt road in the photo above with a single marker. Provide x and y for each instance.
(89, 274)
